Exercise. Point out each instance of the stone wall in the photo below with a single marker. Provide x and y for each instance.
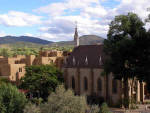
(92, 75)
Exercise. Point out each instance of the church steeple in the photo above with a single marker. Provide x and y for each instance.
(76, 38)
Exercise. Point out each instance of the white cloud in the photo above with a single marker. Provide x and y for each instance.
(14, 18)
(59, 8)
(2, 34)
(92, 17)
(28, 34)
(97, 11)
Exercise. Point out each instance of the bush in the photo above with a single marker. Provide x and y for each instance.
(63, 101)
(94, 99)
(31, 108)
(94, 109)
(11, 100)
(104, 108)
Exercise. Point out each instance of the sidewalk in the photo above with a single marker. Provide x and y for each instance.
(142, 109)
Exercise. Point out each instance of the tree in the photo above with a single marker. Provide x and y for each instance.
(40, 80)
(11, 100)
(127, 49)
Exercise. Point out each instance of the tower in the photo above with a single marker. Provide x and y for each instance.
(76, 38)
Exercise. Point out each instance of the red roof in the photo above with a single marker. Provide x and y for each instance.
(23, 91)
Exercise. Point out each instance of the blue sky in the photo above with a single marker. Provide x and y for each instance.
(55, 19)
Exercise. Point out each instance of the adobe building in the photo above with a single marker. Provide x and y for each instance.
(14, 68)
(83, 73)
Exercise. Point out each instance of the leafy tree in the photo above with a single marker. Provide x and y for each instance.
(40, 80)
(128, 49)
(11, 100)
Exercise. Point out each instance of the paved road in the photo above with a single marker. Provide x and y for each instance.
(142, 109)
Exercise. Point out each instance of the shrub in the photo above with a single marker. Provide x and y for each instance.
(94, 109)
(31, 108)
(104, 108)
(94, 99)
(63, 101)
(11, 100)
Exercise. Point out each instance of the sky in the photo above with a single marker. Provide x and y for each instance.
(54, 20)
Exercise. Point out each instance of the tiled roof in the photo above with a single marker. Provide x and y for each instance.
(86, 56)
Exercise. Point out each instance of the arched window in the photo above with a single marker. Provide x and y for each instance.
(99, 84)
(73, 83)
(85, 84)
(114, 86)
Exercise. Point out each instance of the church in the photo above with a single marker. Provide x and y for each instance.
(83, 73)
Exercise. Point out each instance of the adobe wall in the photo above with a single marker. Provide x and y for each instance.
(14, 69)
(30, 60)
(5, 70)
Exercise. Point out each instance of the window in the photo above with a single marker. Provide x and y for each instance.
(114, 86)
(99, 84)
(20, 69)
(85, 84)
(73, 83)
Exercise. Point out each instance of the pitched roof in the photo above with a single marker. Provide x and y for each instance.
(86, 56)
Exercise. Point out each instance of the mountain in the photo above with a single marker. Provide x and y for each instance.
(84, 40)
(14, 39)
(26, 41)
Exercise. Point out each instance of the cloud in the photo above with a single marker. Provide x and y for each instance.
(28, 34)
(19, 19)
(93, 17)
(60, 8)
(2, 34)
(136, 6)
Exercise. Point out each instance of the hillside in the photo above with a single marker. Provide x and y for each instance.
(13, 39)
(84, 40)
(33, 42)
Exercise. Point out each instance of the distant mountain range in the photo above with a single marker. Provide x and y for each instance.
(33, 41)
(14, 39)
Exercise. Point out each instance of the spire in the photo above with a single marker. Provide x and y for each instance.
(76, 38)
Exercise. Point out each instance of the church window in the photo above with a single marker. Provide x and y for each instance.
(74, 61)
(73, 83)
(99, 84)
(114, 86)
(100, 60)
(85, 84)
(86, 60)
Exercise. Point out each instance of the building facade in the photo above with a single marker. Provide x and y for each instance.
(14, 68)
(83, 73)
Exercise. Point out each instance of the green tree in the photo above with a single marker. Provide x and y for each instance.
(127, 47)
(40, 80)
(11, 100)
